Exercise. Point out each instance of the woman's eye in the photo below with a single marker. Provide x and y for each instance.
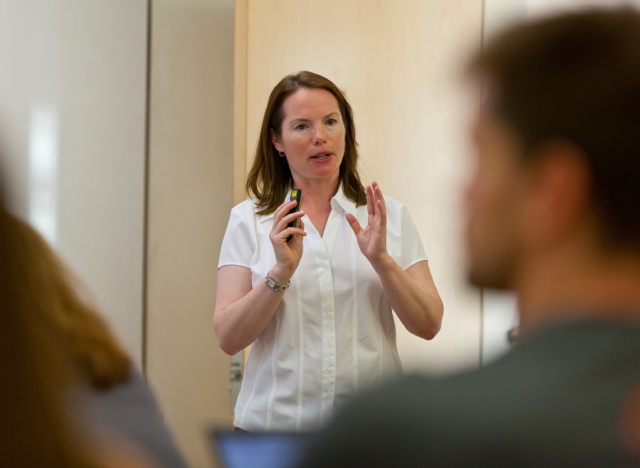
(332, 121)
(300, 127)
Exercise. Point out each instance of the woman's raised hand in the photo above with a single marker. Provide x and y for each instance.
(288, 254)
(372, 240)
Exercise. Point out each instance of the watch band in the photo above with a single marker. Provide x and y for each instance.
(271, 284)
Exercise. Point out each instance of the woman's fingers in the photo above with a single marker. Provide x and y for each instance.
(355, 225)
(370, 201)
(289, 232)
(280, 208)
(300, 227)
(283, 210)
(381, 206)
(282, 224)
(375, 199)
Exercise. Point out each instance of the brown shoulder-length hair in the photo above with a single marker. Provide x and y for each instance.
(270, 176)
(63, 314)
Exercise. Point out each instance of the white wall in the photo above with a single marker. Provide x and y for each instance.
(72, 124)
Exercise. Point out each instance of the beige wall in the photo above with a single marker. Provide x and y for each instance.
(398, 61)
(190, 168)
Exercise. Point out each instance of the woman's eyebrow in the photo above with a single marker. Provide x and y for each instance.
(301, 119)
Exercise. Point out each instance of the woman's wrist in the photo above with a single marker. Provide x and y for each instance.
(280, 275)
(382, 262)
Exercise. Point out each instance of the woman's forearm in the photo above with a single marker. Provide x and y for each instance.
(240, 323)
(419, 309)
(242, 312)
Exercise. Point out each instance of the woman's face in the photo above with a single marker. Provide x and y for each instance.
(312, 136)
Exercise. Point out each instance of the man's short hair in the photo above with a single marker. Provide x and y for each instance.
(576, 77)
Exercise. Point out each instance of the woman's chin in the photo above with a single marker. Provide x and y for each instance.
(325, 174)
(324, 171)
(329, 171)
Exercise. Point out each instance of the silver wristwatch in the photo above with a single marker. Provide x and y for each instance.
(271, 284)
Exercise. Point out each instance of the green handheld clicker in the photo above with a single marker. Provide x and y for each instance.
(296, 195)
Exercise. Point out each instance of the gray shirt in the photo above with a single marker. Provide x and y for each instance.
(554, 401)
(130, 411)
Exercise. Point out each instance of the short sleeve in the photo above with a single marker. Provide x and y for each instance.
(412, 250)
(237, 245)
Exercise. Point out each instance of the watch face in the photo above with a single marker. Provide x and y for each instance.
(271, 283)
(275, 286)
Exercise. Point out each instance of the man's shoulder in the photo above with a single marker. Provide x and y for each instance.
(416, 400)
(401, 423)
(555, 397)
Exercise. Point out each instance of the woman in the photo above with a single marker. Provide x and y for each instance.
(117, 400)
(319, 307)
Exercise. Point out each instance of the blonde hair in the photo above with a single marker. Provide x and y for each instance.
(75, 325)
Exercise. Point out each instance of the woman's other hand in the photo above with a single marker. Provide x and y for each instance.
(288, 254)
(372, 240)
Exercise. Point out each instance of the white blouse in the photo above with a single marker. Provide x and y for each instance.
(333, 333)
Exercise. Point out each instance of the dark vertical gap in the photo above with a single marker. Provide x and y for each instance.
(482, 38)
(145, 240)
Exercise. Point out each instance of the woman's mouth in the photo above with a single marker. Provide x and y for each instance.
(321, 156)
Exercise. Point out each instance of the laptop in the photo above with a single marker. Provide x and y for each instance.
(259, 450)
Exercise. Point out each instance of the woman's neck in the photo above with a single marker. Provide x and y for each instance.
(316, 199)
(317, 193)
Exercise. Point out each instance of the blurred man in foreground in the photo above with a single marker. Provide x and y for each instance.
(554, 214)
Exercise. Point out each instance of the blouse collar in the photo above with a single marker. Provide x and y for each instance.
(339, 199)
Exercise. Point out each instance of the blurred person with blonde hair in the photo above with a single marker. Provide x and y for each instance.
(110, 396)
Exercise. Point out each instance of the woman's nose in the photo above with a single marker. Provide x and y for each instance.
(319, 136)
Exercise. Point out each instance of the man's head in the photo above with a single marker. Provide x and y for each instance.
(559, 142)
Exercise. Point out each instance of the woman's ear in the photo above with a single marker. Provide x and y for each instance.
(275, 142)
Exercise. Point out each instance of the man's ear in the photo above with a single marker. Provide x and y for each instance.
(559, 190)
(275, 142)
